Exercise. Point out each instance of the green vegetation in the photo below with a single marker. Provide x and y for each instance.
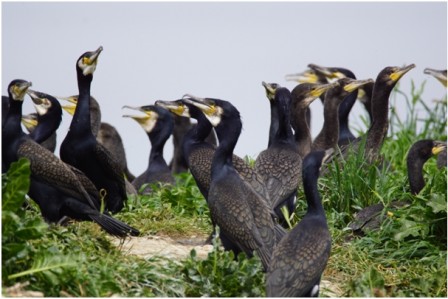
(405, 257)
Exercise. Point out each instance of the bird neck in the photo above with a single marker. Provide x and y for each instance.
(158, 140)
(274, 126)
(202, 129)
(228, 133)
(302, 132)
(344, 109)
(380, 118)
(12, 125)
(81, 118)
(415, 174)
(312, 193)
(284, 131)
(330, 129)
(47, 126)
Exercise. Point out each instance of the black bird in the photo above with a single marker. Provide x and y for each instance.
(182, 125)
(329, 136)
(158, 125)
(5, 108)
(80, 147)
(30, 121)
(302, 96)
(109, 137)
(418, 154)
(49, 112)
(365, 97)
(59, 189)
(336, 73)
(374, 138)
(308, 76)
(105, 134)
(300, 258)
(235, 207)
(280, 165)
(438, 74)
(371, 217)
(95, 111)
(199, 153)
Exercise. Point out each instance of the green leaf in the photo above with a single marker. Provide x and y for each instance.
(15, 185)
(438, 203)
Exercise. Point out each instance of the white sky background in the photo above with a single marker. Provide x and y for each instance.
(155, 50)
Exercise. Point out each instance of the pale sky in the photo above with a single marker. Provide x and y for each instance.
(162, 50)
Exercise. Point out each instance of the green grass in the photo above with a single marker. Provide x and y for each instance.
(405, 257)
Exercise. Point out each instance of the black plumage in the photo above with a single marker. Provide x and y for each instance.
(280, 165)
(302, 96)
(374, 138)
(106, 134)
(59, 189)
(49, 111)
(199, 154)
(5, 108)
(235, 207)
(300, 258)
(182, 125)
(329, 136)
(337, 73)
(109, 137)
(80, 147)
(371, 217)
(418, 154)
(158, 125)
(95, 111)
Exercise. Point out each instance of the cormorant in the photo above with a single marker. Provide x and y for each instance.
(235, 207)
(438, 74)
(371, 217)
(158, 124)
(181, 126)
(49, 112)
(109, 137)
(5, 108)
(365, 97)
(337, 73)
(59, 189)
(329, 136)
(280, 165)
(300, 258)
(105, 134)
(30, 121)
(80, 147)
(199, 154)
(95, 111)
(418, 154)
(374, 138)
(302, 96)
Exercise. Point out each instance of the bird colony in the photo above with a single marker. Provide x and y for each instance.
(89, 179)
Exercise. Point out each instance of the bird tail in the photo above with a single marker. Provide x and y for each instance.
(113, 226)
(279, 232)
(265, 257)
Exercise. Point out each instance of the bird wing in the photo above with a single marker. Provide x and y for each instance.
(110, 166)
(51, 170)
(281, 172)
(298, 262)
